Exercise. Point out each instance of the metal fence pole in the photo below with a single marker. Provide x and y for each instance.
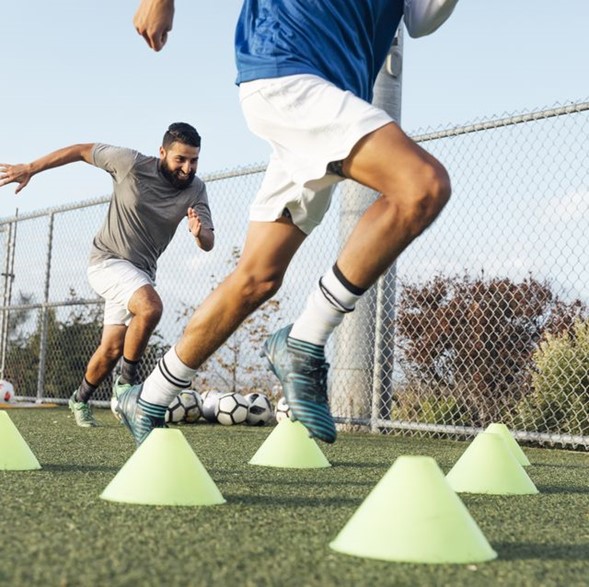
(388, 96)
(43, 334)
(360, 361)
(7, 294)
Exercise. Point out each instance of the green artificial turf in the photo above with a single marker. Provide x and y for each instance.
(277, 524)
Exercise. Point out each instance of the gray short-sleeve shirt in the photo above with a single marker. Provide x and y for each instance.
(145, 208)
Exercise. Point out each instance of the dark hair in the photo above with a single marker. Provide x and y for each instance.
(181, 132)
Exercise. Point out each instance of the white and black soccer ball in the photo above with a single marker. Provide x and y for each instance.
(192, 405)
(209, 404)
(175, 412)
(282, 410)
(186, 407)
(114, 402)
(259, 409)
(6, 391)
(231, 409)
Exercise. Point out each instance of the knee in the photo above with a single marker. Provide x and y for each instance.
(151, 313)
(425, 196)
(112, 351)
(254, 289)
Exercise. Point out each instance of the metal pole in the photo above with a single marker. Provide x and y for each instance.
(43, 334)
(387, 95)
(7, 297)
(360, 362)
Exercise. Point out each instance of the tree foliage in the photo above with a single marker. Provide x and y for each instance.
(559, 400)
(70, 341)
(475, 337)
(237, 365)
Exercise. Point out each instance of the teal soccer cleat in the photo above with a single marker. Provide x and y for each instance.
(304, 382)
(119, 388)
(82, 412)
(134, 416)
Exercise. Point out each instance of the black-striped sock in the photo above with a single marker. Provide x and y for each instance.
(169, 377)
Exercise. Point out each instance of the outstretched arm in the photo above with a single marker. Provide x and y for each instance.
(153, 21)
(205, 237)
(423, 17)
(22, 173)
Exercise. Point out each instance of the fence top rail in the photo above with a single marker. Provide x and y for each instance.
(573, 108)
(502, 122)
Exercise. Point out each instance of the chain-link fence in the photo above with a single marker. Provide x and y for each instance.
(484, 318)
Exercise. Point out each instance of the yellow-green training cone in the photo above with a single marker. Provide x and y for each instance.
(489, 466)
(516, 449)
(15, 454)
(164, 470)
(290, 446)
(412, 515)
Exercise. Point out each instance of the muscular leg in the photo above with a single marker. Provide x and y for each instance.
(268, 250)
(107, 354)
(118, 339)
(146, 307)
(414, 188)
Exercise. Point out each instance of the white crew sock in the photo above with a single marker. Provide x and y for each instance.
(169, 377)
(325, 309)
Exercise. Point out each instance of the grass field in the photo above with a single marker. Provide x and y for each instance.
(276, 526)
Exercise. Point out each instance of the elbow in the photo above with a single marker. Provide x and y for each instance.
(208, 242)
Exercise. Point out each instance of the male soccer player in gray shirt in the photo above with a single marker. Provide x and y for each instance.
(151, 196)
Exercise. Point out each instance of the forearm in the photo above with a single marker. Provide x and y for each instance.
(205, 239)
(71, 154)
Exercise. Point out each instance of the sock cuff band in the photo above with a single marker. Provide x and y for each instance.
(131, 362)
(357, 291)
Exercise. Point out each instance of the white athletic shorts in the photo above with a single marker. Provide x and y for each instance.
(310, 123)
(116, 281)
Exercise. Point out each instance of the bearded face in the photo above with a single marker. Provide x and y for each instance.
(178, 164)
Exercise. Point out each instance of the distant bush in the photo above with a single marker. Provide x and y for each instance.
(559, 400)
(429, 406)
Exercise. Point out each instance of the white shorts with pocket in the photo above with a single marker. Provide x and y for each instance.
(116, 280)
(309, 123)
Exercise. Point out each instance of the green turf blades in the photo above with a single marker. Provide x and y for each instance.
(15, 454)
(517, 451)
(164, 470)
(290, 446)
(489, 466)
(412, 515)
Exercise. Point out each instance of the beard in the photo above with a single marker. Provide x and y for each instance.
(176, 178)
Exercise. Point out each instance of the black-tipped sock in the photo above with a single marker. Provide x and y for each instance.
(85, 391)
(129, 371)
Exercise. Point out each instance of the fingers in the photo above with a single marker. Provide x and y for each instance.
(20, 186)
(13, 174)
(153, 21)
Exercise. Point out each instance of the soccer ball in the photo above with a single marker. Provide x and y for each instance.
(6, 391)
(259, 409)
(185, 407)
(282, 410)
(193, 404)
(232, 408)
(114, 402)
(209, 404)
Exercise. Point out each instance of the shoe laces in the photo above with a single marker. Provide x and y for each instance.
(86, 411)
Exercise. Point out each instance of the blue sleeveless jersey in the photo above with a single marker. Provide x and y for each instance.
(342, 41)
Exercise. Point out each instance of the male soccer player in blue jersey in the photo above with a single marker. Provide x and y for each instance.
(306, 71)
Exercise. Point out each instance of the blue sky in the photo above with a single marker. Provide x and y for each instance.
(76, 71)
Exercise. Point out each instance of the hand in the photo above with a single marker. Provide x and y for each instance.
(20, 174)
(194, 224)
(153, 21)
